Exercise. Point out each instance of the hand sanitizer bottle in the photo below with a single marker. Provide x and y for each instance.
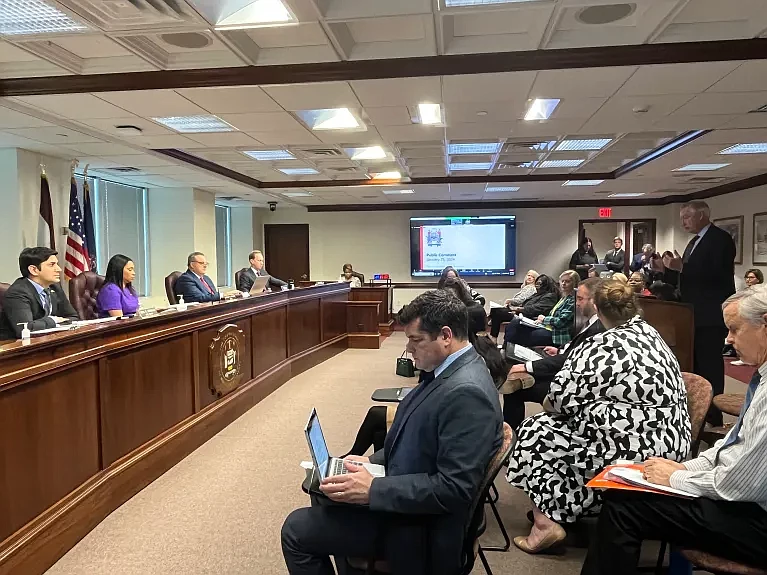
(181, 304)
(26, 335)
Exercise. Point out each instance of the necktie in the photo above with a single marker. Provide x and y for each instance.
(689, 248)
(733, 436)
(47, 307)
(207, 287)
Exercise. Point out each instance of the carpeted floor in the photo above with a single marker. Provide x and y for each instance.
(220, 510)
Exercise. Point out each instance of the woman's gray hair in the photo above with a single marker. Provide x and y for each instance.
(753, 303)
(648, 247)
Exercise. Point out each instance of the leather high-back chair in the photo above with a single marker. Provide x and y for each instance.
(170, 286)
(3, 288)
(237, 276)
(360, 276)
(83, 290)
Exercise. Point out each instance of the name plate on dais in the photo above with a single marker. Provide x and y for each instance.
(147, 312)
(225, 359)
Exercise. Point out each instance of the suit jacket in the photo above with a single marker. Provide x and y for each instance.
(545, 369)
(636, 262)
(539, 304)
(615, 261)
(22, 305)
(193, 290)
(708, 277)
(248, 277)
(436, 454)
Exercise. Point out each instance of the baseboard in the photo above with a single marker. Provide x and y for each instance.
(40, 543)
(364, 341)
(386, 328)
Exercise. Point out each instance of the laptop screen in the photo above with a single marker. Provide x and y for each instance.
(318, 445)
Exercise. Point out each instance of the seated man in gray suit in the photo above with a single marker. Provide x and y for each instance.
(257, 269)
(195, 285)
(436, 453)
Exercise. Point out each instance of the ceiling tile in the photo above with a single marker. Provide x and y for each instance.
(750, 76)
(675, 78)
(53, 135)
(75, 106)
(285, 137)
(314, 96)
(580, 83)
(721, 103)
(263, 122)
(223, 139)
(398, 91)
(511, 87)
(153, 103)
(390, 116)
(91, 46)
(303, 34)
(13, 119)
(231, 100)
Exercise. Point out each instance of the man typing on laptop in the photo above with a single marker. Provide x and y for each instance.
(435, 456)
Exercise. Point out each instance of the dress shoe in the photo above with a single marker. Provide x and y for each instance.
(516, 381)
(552, 539)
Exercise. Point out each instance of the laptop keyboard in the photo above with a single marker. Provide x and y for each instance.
(339, 468)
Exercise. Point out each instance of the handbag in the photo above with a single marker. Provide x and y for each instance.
(405, 366)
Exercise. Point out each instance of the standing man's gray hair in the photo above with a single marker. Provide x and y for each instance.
(698, 206)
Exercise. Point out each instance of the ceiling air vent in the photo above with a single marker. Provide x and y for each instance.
(320, 152)
(706, 179)
(131, 14)
(122, 170)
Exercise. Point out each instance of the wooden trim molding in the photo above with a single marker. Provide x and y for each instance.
(449, 65)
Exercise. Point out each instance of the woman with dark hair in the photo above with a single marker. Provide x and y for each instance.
(450, 272)
(349, 277)
(753, 277)
(638, 282)
(584, 258)
(117, 296)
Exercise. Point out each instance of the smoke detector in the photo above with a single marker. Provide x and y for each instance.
(128, 130)
(189, 40)
(605, 14)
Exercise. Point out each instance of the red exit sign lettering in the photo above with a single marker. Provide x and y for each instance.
(605, 212)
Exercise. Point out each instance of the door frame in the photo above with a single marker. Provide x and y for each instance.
(626, 232)
(308, 244)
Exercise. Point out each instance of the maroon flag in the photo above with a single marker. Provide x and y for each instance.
(46, 235)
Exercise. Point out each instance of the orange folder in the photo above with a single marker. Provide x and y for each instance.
(599, 481)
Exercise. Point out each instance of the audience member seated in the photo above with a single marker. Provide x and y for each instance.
(728, 518)
(451, 272)
(556, 325)
(664, 291)
(195, 286)
(620, 277)
(545, 298)
(584, 258)
(348, 276)
(117, 296)
(644, 259)
(529, 382)
(36, 298)
(248, 277)
(619, 396)
(615, 259)
(753, 277)
(499, 315)
(638, 282)
(443, 436)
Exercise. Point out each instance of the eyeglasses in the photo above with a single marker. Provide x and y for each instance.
(204, 264)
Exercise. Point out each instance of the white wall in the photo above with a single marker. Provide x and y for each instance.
(204, 207)
(242, 239)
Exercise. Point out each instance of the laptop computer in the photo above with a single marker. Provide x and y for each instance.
(325, 464)
(600, 268)
(258, 285)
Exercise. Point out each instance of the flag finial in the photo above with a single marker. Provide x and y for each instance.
(42, 171)
(75, 163)
(85, 171)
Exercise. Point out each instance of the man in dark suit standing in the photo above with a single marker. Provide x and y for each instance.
(615, 259)
(531, 380)
(36, 298)
(436, 453)
(257, 269)
(195, 286)
(706, 280)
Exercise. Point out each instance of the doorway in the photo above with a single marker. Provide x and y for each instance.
(635, 234)
(287, 251)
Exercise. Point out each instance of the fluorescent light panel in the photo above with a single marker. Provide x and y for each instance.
(626, 195)
(195, 124)
(467, 166)
(560, 163)
(477, 148)
(577, 145)
(368, 153)
(701, 167)
(256, 14)
(541, 108)
(297, 194)
(760, 148)
(270, 155)
(493, 189)
(387, 176)
(330, 119)
(393, 192)
(298, 171)
(582, 182)
(21, 17)
(430, 114)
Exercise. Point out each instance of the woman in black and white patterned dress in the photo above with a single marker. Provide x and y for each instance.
(620, 395)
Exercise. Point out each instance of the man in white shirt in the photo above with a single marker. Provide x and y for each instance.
(728, 515)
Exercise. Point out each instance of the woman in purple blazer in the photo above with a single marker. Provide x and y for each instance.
(117, 296)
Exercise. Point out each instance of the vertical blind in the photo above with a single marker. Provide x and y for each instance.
(223, 246)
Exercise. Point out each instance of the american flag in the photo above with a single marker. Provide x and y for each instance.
(77, 259)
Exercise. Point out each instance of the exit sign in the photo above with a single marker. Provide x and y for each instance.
(605, 212)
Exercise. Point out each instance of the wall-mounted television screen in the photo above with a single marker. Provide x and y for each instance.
(474, 245)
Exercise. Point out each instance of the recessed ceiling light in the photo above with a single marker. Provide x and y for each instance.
(330, 119)
(466, 166)
(429, 114)
(541, 108)
(560, 163)
(477, 148)
(626, 195)
(21, 17)
(368, 153)
(582, 182)
(700, 167)
(454, 3)
(760, 148)
(195, 124)
(387, 176)
(257, 14)
(268, 155)
(393, 192)
(298, 171)
(297, 194)
(574, 145)
(493, 189)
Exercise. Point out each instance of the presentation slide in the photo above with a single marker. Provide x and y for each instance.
(474, 245)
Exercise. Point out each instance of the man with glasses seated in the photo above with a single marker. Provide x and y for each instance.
(195, 286)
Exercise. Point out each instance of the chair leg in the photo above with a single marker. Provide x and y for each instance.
(485, 564)
(493, 493)
(502, 527)
(661, 557)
